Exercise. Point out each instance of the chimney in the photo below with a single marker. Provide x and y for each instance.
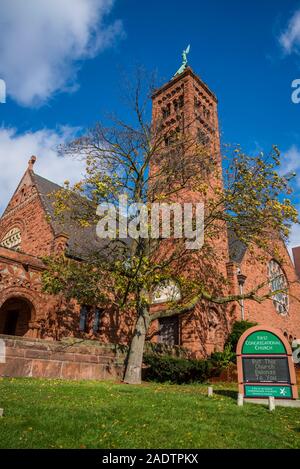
(296, 254)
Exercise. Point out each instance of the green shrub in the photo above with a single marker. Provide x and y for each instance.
(159, 348)
(221, 360)
(238, 328)
(175, 370)
(163, 364)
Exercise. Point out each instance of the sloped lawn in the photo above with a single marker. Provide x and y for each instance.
(61, 414)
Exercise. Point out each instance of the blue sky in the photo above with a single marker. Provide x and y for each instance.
(63, 64)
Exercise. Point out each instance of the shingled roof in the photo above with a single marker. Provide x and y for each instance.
(82, 242)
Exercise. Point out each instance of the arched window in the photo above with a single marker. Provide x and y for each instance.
(278, 281)
(12, 239)
(166, 291)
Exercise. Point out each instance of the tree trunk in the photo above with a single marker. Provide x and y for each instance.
(133, 373)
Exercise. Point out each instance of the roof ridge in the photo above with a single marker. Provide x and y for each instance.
(36, 176)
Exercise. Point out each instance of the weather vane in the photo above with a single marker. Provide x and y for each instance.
(184, 61)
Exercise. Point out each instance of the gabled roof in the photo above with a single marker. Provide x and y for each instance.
(45, 188)
(82, 242)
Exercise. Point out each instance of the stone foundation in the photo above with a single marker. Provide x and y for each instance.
(68, 359)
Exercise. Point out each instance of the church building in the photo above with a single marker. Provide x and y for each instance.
(29, 231)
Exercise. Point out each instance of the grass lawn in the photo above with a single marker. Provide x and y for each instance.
(69, 414)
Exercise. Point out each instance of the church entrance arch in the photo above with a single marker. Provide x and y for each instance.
(15, 316)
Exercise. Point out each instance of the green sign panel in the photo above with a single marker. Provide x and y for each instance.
(263, 343)
(281, 392)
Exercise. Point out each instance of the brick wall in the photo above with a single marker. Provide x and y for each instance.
(25, 212)
(21, 289)
(296, 254)
(256, 271)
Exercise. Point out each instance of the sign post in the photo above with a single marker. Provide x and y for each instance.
(265, 365)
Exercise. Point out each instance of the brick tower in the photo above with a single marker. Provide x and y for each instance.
(186, 105)
(187, 102)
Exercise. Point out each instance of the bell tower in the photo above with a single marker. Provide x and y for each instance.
(186, 102)
(185, 116)
(186, 105)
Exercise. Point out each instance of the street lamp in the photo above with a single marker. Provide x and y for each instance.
(241, 281)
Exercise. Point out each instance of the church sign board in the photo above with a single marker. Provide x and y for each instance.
(265, 365)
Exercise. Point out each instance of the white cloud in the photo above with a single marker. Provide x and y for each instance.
(16, 149)
(43, 41)
(290, 38)
(295, 236)
(290, 162)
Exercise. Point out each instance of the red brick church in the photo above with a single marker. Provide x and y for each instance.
(29, 231)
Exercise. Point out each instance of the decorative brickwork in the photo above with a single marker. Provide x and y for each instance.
(26, 213)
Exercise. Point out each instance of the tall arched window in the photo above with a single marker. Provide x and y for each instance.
(278, 281)
(12, 239)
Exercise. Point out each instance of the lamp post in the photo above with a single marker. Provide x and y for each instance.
(241, 281)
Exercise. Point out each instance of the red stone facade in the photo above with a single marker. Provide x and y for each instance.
(257, 273)
(187, 104)
(28, 234)
(24, 309)
(64, 360)
(25, 211)
(296, 254)
(20, 293)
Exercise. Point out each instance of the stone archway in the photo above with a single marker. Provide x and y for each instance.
(15, 316)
